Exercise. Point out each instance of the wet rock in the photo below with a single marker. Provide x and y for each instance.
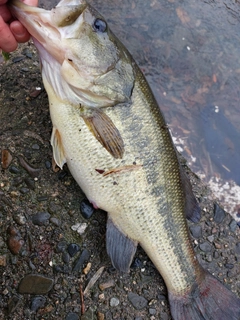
(205, 246)
(14, 241)
(219, 213)
(13, 304)
(114, 302)
(72, 316)
(35, 284)
(233, 225)
(137, 301)
(37, 303)
(86, 209)
(40, 218)
(84, 257)
(196, 231)
(72, 249)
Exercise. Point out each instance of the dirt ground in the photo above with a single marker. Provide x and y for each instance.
(41, 225)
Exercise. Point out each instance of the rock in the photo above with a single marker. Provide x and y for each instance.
(237, 248)
(35, 284)
(152, 311)
(233, 225)
(86, 209)
(196, 231)
(114, 302)
(6, 158)
(48, 164)
(205, 246)
(40, 218)
(78, 265)
(35, 146)
(14, 170)
(137, 301)
(229, 265)
(30, 183)
(14, 241)
(3, 261)
(89, 315)
(73, 248)
(65, 257)
(37, 303)
(72, 316)
(105, 285)
(219, 213)
(210, 238)
(61, 246)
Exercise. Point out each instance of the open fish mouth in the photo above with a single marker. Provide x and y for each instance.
(49, 27)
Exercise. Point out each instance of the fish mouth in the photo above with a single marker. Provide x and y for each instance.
(45, 25)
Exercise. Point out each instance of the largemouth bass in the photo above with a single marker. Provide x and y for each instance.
(109, 130)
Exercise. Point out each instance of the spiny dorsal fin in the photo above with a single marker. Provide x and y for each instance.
(58, 151)
(120, 248)
(105, 132)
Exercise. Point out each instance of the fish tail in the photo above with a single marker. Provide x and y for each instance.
(210, 300)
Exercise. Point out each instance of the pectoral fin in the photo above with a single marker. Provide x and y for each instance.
(58, 151)
(105, 132)
(120, 248)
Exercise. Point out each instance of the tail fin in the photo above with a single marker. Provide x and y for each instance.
(209, 301)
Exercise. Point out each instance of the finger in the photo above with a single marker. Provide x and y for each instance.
(5, 13)
(31, 2)
(20, 33)
(7, 41)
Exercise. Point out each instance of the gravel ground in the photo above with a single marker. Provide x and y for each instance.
(52, 242)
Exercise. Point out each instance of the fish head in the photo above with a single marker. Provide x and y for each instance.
(74, 38)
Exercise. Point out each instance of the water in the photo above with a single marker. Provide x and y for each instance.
(189, 52)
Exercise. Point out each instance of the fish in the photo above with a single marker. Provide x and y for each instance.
(108, 128)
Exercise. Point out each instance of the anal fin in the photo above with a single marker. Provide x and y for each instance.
(58, 151)
(120, 248)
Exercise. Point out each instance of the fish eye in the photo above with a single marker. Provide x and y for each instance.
(100, 25)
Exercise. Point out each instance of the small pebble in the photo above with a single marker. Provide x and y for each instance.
(72, 316)
(6, 158)
(229, 265)
(84, 257)
(152, 311)
(14, 170)
(37, 303)
(48, 164)
(30, 183)
(35, 146)
(105, 285)
(55, 221)
(35, 284)
(233, 225)
(210, 238)
(86, 209)
(24, 190)
(14, 241)
(61, 246)
(114, 302)
(3, 261)
(219, 213)
(196, 231)
(137, 301)
(73, 248)
(40, 218)
(42, 198)
(65, 257)
(205, 246)
(100, 316)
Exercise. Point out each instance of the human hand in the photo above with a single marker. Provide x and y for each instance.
(12, 31)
